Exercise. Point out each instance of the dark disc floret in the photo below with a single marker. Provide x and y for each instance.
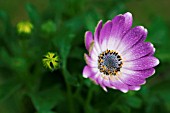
(109, 62)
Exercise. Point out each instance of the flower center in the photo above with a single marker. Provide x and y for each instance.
(109, 62)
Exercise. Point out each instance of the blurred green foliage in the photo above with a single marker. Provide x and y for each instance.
(27, 87)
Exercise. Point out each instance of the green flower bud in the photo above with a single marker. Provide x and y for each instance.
(24, 27)
(51, 61)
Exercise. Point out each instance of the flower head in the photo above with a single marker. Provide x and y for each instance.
(24, 27)
(51, 61)
(119, 57)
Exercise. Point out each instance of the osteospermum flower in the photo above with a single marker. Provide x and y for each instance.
(118, 56)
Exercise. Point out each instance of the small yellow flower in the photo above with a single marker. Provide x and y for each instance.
(51, 61)
(24, 27)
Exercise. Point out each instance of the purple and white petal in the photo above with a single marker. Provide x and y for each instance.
(134, 36)
(118, 84)
(88, 39)
(99, 81)
(96, 36)
(135, 88)
(142, 63)
(121, 25)
(139, 73)
(152, 52)
(94, 77)
(116, 32)
(105, 34)
(93, 53)
(128, 20)
(88, 71)
(90, 62)
(138, 51)
(131, 80)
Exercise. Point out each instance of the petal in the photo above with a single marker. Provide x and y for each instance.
(118, 84)
(97, 31)
(100, 81)
(121, 25)
(142, 63)
(138, 51)
(130, 79)
(135, 88)
(112, 82)
(105, 34)
(96, 36)
(88, 39)
(90, 62)
(88, 71)
(106, 81)
(134, 36)
(104, 88)
(116, 32)
(152, 52)
(128, 20)
(93, 53)
(145, 33)
(94, 77)
(141, 73)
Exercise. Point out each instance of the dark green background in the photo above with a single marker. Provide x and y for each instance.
(27, 87)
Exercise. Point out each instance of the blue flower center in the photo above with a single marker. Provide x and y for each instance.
(109, 62)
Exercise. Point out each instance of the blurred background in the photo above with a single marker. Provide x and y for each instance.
(31, 28)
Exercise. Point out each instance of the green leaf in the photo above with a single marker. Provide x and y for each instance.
(124, 109)
(162, 89)
(119, 8)
(8, 88)
(33, 14)
(160, 38)
(161, 92)
(91, 20)
(134, 101)
(63, 44)
(77, 53)
(5, 22)
(90, 109)
(46, 112)
(45, 100)
(69, 78)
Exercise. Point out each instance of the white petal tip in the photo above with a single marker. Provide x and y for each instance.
(128, 13)
(104, 88)
(113, 87)
(100, 22)
(85, 76)
(144, 82)
(153, 72)
(137, 88)
(157, 62)
(151, 45)
(142, 28)
(124, 90)
(86, 32)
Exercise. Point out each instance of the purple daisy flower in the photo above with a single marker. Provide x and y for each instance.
(118, 56)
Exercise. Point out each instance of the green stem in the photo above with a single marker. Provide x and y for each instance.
(88, 99)
(69, 92)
